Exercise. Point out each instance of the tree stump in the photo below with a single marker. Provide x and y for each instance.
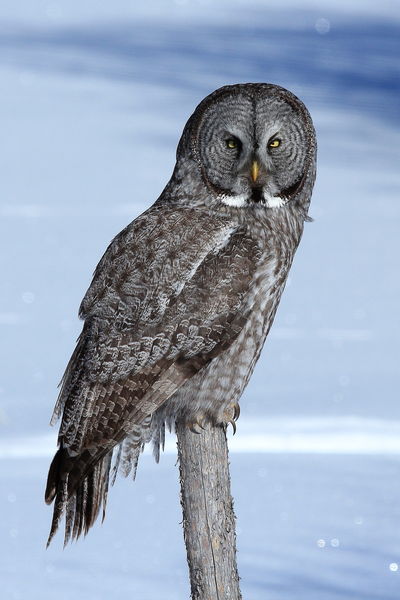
(208, 516)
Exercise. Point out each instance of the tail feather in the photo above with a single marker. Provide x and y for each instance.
(79, 484)
(127, 455)
(53, 477)
(59, 506)
(80, 489)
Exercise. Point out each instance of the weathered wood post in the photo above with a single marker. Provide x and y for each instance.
(208, 516)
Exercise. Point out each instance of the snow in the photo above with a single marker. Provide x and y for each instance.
(310, 526)
(93, 97)
(311, 435)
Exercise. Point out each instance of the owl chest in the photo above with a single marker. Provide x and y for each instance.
(223, 381)
(236, 364)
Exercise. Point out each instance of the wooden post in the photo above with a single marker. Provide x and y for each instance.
(208, 516)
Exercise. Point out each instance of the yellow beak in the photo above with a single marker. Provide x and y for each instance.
(255, 169)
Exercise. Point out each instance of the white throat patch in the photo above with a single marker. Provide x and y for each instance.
(274, 201)
(241, 200)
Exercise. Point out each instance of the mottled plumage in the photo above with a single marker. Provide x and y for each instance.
(181, 302)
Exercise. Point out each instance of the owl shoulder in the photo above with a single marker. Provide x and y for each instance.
(162, 245)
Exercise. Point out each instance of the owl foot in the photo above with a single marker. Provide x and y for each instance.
(231, 415)
(199, 422)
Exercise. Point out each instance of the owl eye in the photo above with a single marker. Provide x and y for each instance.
(232, 143)
(275, 143)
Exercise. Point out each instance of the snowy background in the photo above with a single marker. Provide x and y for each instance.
(93, 98)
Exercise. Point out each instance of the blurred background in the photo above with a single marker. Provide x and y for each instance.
(93, 99)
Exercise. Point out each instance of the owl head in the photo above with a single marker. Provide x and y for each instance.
(252, 143)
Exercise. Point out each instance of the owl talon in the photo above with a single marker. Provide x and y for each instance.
(193, 429)
(198, 423)
(231, 414)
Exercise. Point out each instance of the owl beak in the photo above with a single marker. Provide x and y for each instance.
(255, 169)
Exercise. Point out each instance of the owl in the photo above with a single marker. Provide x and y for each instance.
(182, 300)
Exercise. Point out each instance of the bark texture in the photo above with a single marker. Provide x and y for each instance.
(208, 516)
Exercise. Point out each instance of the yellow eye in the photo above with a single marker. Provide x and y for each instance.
(274, 143)
(232, 143)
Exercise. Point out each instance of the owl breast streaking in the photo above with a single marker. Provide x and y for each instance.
(182, 300)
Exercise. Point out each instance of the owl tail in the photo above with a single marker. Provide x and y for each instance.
(79, 487)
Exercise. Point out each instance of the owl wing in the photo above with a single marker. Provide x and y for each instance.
(169, 295)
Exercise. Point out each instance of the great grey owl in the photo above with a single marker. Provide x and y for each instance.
(183, 298)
